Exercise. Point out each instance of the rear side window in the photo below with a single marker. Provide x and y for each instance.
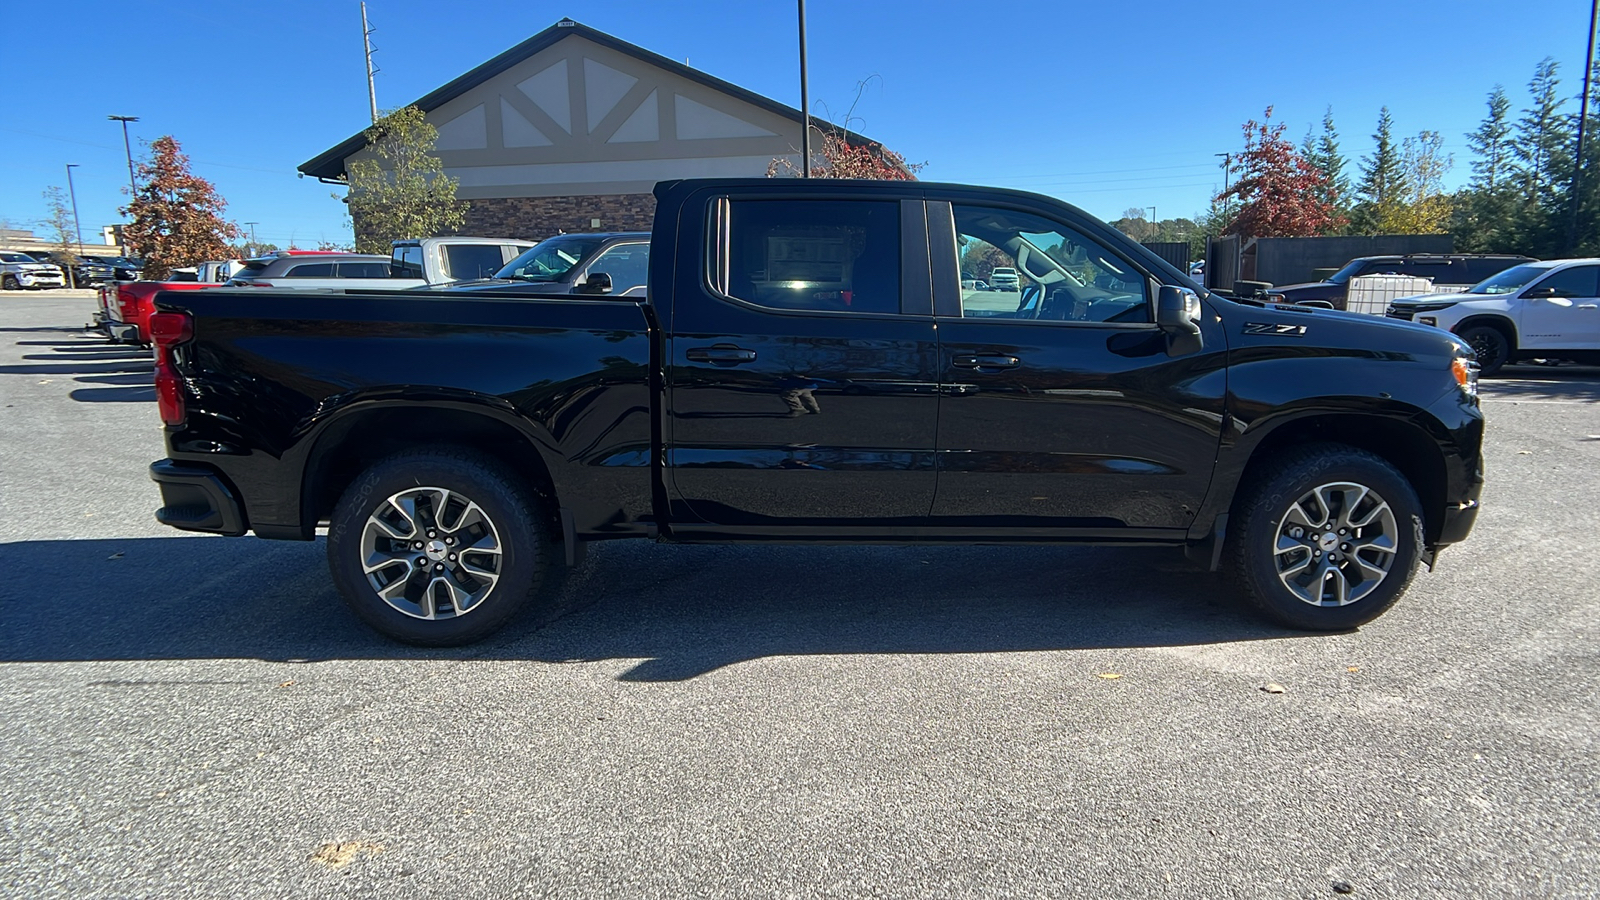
(467, 261)
(406, 262)
(310, 270)
(364, 270)
(825, 255)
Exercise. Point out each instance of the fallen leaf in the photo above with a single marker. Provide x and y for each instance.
(46, 381)
(338, 854)
(1352, 668)
(116, 555)
(286, 684)
(1524, 452)
(1272, 687)
(1109, 676)
(1343, 887)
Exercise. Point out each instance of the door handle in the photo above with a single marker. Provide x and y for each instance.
(720, 354)
(986, 362)
(1586, 305)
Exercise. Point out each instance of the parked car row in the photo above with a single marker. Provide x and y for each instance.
(35, 269)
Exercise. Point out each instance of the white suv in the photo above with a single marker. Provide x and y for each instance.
(1538, 310)
(1004, 278)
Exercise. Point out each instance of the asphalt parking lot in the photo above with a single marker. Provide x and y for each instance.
(194, 716)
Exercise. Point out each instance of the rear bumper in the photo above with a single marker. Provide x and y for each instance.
(196, 498)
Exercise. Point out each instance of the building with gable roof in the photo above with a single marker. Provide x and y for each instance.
(572, 128)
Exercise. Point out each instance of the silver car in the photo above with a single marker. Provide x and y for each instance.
(321, 271)
(19, 270)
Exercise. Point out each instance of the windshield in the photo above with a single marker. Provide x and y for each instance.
(16, 257)
(1509, 281)
(1348, 272)
(550, 260)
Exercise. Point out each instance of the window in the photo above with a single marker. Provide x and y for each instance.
(1046, 271)
(550, 260)
(1578, 281)
(1479, 269)
(406, 262)
(627, 264)
(363, 270)
(1440, 270)
(310, 270)
(828, 255)
(466, 261)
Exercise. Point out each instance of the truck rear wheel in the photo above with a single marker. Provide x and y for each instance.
(1326, 538)
(438, 547)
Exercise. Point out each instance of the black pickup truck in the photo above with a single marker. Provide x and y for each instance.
(807, 367)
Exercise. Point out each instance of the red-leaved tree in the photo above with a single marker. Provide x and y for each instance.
(177, 216)
(836, 157)
(1278, 191)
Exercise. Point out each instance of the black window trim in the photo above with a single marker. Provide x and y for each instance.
(1562, 271)
(1152, 281)
(714, 272)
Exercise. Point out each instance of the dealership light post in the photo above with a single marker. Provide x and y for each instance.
(805, 101)
(76, 228)
(133, 188)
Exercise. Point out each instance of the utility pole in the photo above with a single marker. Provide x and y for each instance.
(366, 40)
(253, 245)
(1583, 118)
(805, 101)
(133, 188)
(1227, 171)
(77, 229)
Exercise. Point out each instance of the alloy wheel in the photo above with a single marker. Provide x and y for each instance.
(431, 553)
(1336, 544)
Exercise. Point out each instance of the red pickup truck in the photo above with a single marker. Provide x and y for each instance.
(125, 308)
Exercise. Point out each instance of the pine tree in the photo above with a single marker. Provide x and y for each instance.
(1541, 166)
(1322, 153)
(177, 216)
(1383, 181)
(1491, 142)
(1482, 211)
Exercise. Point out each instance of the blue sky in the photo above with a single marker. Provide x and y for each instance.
(1108, 106)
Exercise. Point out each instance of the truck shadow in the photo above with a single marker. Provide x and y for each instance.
(1528, 382)
(673, 612)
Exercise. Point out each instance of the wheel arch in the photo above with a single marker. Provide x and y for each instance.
(360, 435)
(1497, 321)
(1401, 442)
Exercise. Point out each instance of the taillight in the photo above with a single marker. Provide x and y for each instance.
(168, 330)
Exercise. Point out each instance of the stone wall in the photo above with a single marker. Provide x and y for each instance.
(536, 218)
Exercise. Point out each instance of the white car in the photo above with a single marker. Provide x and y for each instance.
(19, 270)
(1538, 310)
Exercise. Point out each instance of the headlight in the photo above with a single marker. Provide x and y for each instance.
(1466, 374)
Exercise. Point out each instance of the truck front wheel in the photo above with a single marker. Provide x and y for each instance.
(1326, 538)
(438, 547)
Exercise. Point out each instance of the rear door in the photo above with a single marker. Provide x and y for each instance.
(1061, 410)
(801, 365)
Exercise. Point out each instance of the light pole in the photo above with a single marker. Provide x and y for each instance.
(76, 228)
(805, 101)
(133, 188)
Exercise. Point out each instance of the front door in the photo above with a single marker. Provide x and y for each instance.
(1061, 406)
(1562, 311)
(802, 369)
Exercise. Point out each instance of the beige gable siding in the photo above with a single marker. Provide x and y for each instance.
(580, 118)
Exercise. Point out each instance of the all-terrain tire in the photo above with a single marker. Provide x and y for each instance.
(1260, 557)
(484, 506)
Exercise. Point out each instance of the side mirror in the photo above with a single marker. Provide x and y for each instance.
(595, 283)
(1178, 313)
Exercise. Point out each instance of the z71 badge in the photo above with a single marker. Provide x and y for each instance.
(1283, 328)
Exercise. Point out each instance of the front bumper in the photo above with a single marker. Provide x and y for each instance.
(196, 498)
(31, 279)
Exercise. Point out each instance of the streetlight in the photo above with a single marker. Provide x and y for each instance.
(133, 188)
(77, 229)
(127, 146)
